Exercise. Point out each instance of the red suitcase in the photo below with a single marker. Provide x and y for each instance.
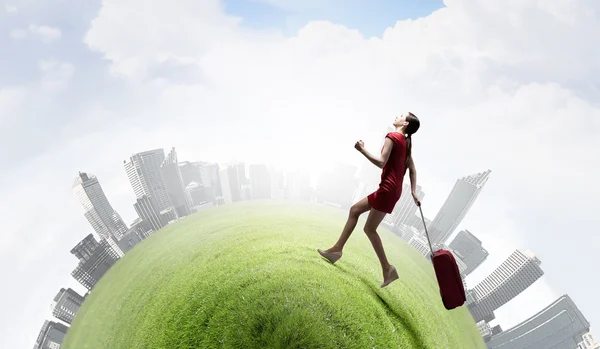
(448, 276)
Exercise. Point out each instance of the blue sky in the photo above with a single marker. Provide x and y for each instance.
(370, 17)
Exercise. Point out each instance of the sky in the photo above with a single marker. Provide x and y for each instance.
(507, 85)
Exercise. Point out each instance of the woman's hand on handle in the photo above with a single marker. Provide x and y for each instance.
(416, 198)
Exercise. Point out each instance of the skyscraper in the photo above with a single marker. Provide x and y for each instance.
(174, 184)
(51, 335)
(94, 260)
(145, 176)
(338, 187)
(148, 212)
(209, 173)
(190, 172)
(458, 203)
(297, 186)
(405, 207)
(235, 186)
(559, 326)
(65, 305)
(104, 219)
(513, 276)
(588, 342)
(260, 182)
(226, 189)
(470, 249)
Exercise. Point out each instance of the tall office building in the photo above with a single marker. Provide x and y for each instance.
(104, 219)
(339, 186)
(230, 185)
(278, 183)
(260, 182)
(148, 212)
(470, 249)
(95, 258)
(65, 305)
(145, 175)
(174, 184)
(190, 172)
(420, 244)
(588, 342)
(200, 194)
(209, 174)
(511, 278)
(51, 335)
(405, 207)
(559, 326)
(458, 203)
(297, 186)
(226, 189)
(485, 330)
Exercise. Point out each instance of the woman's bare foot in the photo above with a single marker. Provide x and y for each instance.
(389, 276)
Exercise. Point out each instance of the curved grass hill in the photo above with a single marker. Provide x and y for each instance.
(247, 275)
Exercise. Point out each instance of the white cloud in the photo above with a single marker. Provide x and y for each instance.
(11, 100)
(11, 9)
(55, 75)
(18, 34)
(503, 85)
(46, 33)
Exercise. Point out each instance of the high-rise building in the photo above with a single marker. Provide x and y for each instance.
(146, 178)
(420, 244)
(470, 249)
(519, 271)
(339, 186)
(94, 260)
(190, 172)
(260, 182)
(278, 183)
(559, 326)
(51, 335)
(485, 330)
(588, 342)
(405, 232)
(235, 186)
(65, 305)
(209, 173)
(462, 266)
(405, 207)
(104, 219)
(148, 212)
(226, 189)
(458, 203)
(297, 186)
(200, 194)
(174, 184)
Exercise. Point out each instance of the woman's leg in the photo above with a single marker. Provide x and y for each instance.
(355, 211)
(373, 221)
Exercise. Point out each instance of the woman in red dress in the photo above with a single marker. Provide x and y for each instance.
(395, 159)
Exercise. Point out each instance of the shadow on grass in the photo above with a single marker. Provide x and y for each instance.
(406, 325)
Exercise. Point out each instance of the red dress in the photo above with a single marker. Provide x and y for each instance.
(384, 199)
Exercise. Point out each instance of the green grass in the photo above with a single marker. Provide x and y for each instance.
(247, 275)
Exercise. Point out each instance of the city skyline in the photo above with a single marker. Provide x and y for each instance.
(84, 85)
(515, 275)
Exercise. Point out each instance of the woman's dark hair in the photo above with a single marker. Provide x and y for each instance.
(412, 127)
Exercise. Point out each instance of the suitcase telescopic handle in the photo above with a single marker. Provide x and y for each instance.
(425, 226)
